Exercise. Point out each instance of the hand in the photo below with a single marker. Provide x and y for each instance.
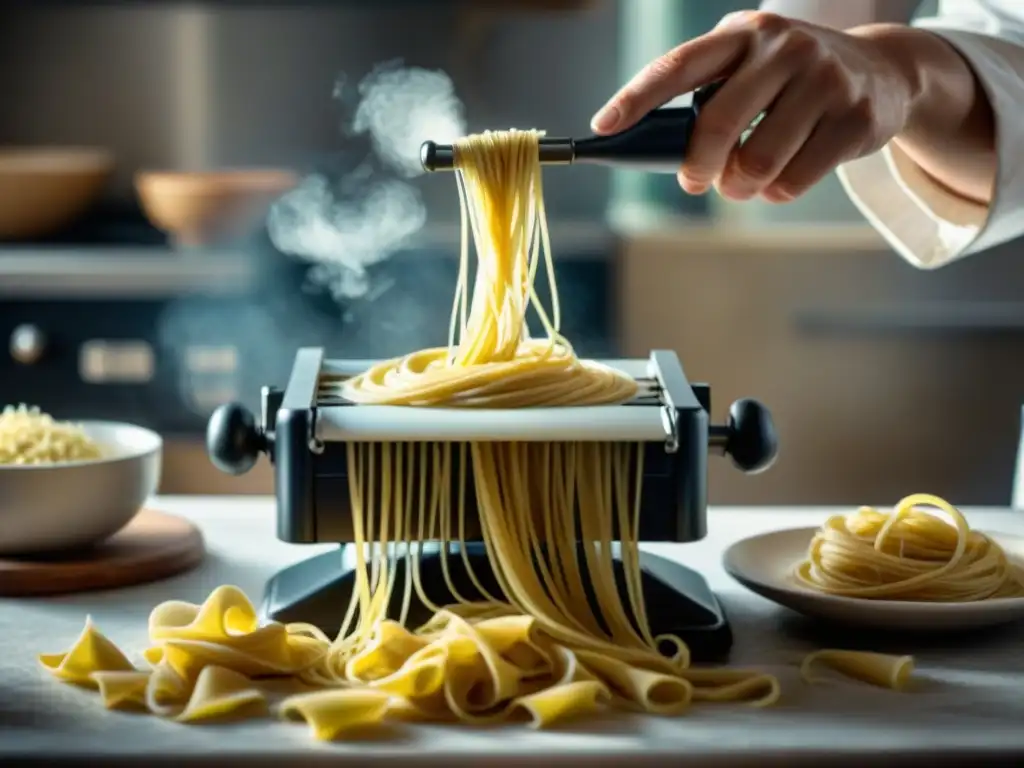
(832, 96)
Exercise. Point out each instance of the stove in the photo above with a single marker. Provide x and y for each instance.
(110, 322)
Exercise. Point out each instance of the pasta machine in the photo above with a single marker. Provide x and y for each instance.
(307, 429)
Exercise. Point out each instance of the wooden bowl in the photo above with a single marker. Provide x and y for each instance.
(202, 208)
(43, 189)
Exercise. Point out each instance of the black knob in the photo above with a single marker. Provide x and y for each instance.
(233, 439)
(428, 155)
(752, 441)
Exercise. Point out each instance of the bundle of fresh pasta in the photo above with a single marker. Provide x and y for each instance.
(923, 550)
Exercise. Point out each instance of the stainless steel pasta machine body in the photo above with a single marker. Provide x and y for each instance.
(308, 428)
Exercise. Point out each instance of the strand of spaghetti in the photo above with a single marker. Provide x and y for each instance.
(466, 563)
(522, 583)
(548, 564)
(423, 532)
(596, 537)
(409, 539)
(629, 548)
(396, 515)
(566, 537)
(431, 524)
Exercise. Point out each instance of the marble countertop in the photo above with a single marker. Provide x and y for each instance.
(969, 707)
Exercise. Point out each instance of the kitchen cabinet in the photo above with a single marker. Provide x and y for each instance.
(884, 380)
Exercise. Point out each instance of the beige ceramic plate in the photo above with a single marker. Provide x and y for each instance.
(764, 564)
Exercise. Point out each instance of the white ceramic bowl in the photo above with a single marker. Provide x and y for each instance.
(56, 507)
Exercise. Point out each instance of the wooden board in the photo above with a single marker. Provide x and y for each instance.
(154, 545)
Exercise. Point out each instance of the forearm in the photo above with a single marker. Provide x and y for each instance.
(950, 133)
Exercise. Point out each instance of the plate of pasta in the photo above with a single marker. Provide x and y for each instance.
(916, 567)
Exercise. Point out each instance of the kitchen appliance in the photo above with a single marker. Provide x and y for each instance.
(307, 430)
(114, 336)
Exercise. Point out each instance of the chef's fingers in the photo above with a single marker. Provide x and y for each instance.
(831, 143)
(752, 89)
(774, 143)
(686, 67)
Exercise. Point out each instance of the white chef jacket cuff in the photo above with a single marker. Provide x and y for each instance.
(921, 220)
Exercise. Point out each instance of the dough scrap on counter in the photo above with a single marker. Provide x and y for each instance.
(216, 661)
(880, 669)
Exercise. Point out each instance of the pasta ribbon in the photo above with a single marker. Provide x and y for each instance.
(881, 669)
(122, 690)
(333, 713)
(91, 653)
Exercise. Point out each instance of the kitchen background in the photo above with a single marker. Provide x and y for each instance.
(883, 380)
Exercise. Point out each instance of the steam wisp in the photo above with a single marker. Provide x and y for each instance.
(345, 224)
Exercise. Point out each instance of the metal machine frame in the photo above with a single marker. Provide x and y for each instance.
(307, 428)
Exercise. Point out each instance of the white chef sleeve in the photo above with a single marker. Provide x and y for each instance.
(925, 223)
(846, 14)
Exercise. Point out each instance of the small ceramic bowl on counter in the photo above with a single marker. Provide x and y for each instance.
(63, 497)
